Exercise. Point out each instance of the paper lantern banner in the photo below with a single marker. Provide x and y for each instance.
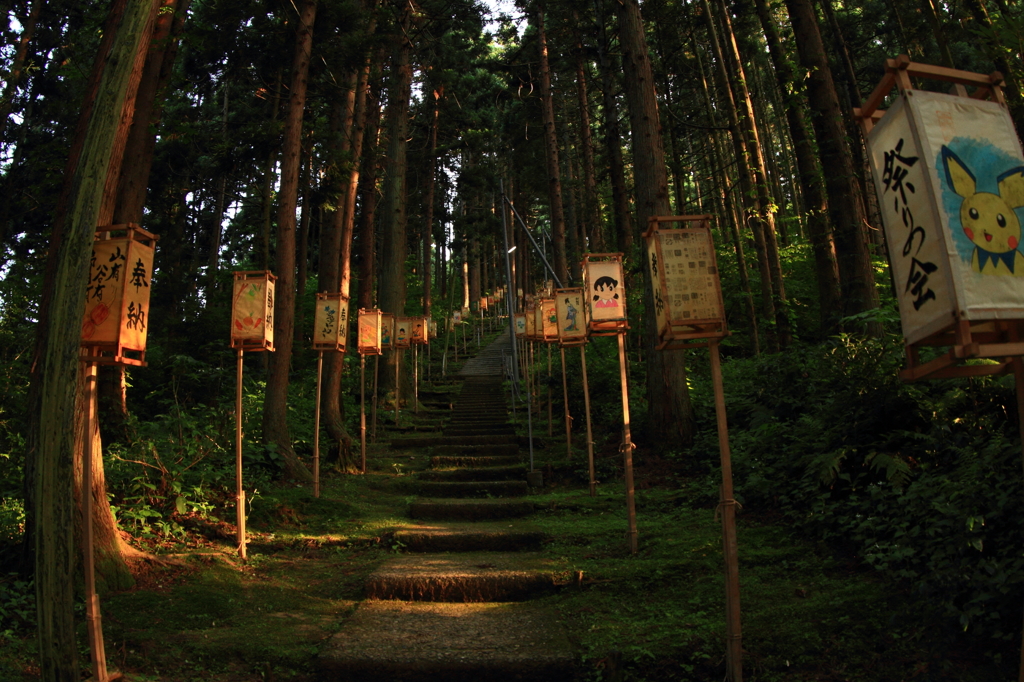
(420, 330)
(116, 314)
(330, 322)
(403, 332)
(605, 291)
(369, 325)
(252, 311)
(387, 331)
(571, 315)
(520, 319)
(547, 320)
(684, 279)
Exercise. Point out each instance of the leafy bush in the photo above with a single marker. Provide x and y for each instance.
(919, 481)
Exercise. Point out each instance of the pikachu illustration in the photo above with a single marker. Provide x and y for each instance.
(988, 219)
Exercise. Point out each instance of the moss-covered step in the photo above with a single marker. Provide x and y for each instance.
(431, 441)
(472, 460)
(506, 449)
(464, 489)
(391, 641)
(468, 577)
(498, 473)
(469, 510)
(470, 537)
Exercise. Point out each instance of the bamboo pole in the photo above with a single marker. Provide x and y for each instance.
(565, 404)
(239, 491)
(362, 413)
(316, 426)
(727, 505)
(93, 615)
(416, 379)
(590, 434)
(398, 379)
(627, 448)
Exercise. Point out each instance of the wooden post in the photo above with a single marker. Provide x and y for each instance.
(590, 435)
(727, 505)
(316, 426)
(239, 491)
(92, 601)
(565, 403)
(362, 413)
(416, 379)
(627, 448)
(398, 381)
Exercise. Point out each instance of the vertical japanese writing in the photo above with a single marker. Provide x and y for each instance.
(896, 169)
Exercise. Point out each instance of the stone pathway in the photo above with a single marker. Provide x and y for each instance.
(455, 606)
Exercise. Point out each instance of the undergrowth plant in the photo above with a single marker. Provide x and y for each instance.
(921, 481)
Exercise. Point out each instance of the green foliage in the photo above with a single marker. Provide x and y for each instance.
(920, 481)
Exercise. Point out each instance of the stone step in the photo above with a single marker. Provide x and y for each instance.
(465, 459)
(461, 450)
(390, 641)
(459, 432)
(432, 441)
(503, 473)
(471, 577)
(463, 539)
(463, 489)
(469, 510)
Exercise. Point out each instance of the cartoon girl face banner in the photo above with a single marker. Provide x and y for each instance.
(252, 311)
(949, 173)
(569, 307)
(369, 332)
(330, 322)
(606, 291)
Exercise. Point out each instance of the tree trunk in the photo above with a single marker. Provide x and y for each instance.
(811, 181)
(591, 213)
(667, 395)
(53, 473)
(764, 220)
(275, 406)
(428, 201)
(368, 193)
(748, 200)
(856, 275)
(560, 263)
(613, 141)
(394, 246)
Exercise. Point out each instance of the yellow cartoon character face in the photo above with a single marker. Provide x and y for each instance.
(988, 219)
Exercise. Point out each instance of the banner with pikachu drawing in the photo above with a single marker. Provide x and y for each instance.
(949, 173)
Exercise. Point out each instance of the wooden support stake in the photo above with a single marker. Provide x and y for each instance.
(565, 404)
(239, 491)
(316, 426)
(1018, 380)
(627, 447)
(590, 435)
(398, 381)
(727, 506)
(416, 379)
(362, 413)
(93, 615)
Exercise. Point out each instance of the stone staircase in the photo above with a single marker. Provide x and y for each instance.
(455, 606)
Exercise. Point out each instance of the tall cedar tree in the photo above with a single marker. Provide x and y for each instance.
(99, 161)
(275, 406)
(671, 415)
